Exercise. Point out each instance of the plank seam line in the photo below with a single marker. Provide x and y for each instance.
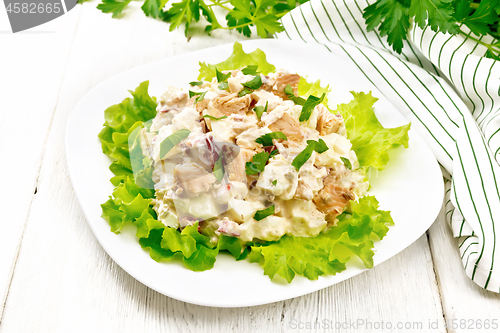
(437, 279)
(38, 171)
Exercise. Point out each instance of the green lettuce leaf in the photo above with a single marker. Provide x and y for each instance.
(327, 253)
(313, 88)
(370, 140)
(237, 60)
(131, 199)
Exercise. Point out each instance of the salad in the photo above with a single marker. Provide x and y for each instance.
(250, 160)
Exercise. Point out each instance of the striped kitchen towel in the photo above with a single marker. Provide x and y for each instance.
(450, 93)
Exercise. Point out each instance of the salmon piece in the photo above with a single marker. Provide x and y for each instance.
(333, 197)
(289, 126)
(236, 166)
(226, 104)
(328, 122)
(193, 179)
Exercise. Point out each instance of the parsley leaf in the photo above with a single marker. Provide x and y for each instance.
(274, 182)
(172, 140)
(113, 6)
(393, 18)
(262, 214)
(267, 139)
(201, 95)
(213, 118)
(244, 92)
(292, 97)
(257, 164)
(254, 83)
(309, 106)
(250, 70)
(220, 76)
(153, 7)
(317, 146)
(259, 110)
(223, 86)
(195, 83)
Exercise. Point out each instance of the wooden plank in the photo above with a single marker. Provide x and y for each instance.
(32, 66)
(464, 302)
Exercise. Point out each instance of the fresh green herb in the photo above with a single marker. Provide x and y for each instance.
(292, 97)
(309, 106)
(274, 182)
(267, 139)
(317, 146)
(113, 6)
(250, 70)
(195, 83)
(213, 118)
(221, 77)
(259, 110)
(392, 19)
(244, 92)
(201, 95)
(257, 164)
(262, 214)
(219, 169)
(172, 140)
(223, 86)
(254, 83)
(347, 162)
(241, 14)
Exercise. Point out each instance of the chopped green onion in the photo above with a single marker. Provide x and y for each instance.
(262, 214)
(172, 140)
(347, 163)
(213, 118)
(218, 169)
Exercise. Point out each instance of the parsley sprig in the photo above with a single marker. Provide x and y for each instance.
(264, 15)
(392, 19)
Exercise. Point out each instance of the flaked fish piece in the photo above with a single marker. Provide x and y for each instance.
(235, 168)
(227, 104)
(193, 179)
(289, 126)
(328, 122)
(172, 99)
(280, 83)
(334, 195)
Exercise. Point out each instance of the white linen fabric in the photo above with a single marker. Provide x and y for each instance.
(450, 93)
